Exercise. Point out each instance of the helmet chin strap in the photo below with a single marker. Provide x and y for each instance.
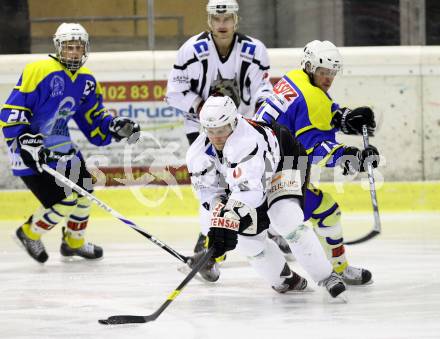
(310, 74)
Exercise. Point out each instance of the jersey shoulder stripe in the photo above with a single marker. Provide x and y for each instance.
(36, 72)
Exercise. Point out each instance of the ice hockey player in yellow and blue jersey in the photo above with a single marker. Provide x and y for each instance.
(300, 102)
(34, 122)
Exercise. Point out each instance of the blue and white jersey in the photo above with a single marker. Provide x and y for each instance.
(45, 98)
(199, 65)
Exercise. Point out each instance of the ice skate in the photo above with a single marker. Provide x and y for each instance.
(200, 244)
(87, 251)
(35, 248)
(334, 285)
(292, 282)
(210, 272)
(356, 276)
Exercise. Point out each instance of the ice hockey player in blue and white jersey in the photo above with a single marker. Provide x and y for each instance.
(301, 103)
(249, 175)
(34, 122)
(221, 61)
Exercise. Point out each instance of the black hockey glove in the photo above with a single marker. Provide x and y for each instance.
(32, 150)
(351, 121)
(227, 220)
(121, 128)
(354, 160)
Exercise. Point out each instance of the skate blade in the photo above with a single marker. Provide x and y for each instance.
(359, 285)
(340, 299)
(76, 259)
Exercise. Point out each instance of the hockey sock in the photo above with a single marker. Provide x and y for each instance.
(44, 219)
(77, 223)
(326, 220)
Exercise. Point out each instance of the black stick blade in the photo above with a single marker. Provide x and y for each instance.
(370, 235)
(123, 319)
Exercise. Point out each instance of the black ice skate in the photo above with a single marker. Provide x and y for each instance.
(356, 276)
(200, 245)
(292, 282)
(210, 272)
(334, 284)
(87, 251)
(35, 248)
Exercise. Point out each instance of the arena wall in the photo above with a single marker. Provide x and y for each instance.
(399, 83)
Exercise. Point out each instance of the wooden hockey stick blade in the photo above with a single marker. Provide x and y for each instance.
(370, 235)
(139, 319)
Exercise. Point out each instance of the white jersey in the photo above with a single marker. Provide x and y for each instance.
(199, 65)
(245, 167)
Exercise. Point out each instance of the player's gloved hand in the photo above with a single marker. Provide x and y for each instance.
(354, 160)
(122, 128)
(32, 150)
(223, 233)
(194, 111)
(351, 121)
(370, 155)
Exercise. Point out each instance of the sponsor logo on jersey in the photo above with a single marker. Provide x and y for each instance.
(283, 89)
(57, 86)
(201, 48)
(89, 87)
(248, 50)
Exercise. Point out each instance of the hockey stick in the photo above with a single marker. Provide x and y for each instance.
(136, 319)
(377, 224)
(104, 206)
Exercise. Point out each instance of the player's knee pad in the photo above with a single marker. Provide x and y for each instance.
(251, 246)
(326, 218)
(47, 218)
(285, 216)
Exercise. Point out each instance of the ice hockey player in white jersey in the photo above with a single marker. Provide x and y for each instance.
(220, 61)
(249, 175)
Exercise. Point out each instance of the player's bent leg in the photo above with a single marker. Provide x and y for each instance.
(43, 220)
(73, 242)
(326, 221)
(304, 244)
(268, 261)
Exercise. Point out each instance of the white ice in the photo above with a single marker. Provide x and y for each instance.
(65, 300)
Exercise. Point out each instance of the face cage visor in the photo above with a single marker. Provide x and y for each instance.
(73, 53)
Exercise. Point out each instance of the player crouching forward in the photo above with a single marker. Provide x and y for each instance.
(34, 122)
(260, 167)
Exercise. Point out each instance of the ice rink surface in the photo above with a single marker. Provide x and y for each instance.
(65, 300)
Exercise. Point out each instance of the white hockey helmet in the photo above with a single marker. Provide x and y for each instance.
(219, 7)
(218, 111)
(68, 32)
(321, 54)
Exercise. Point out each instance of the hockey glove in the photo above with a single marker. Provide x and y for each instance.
(32, 150)
(354, 160)
(351, 121)
(227, 220)
(122, 128)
